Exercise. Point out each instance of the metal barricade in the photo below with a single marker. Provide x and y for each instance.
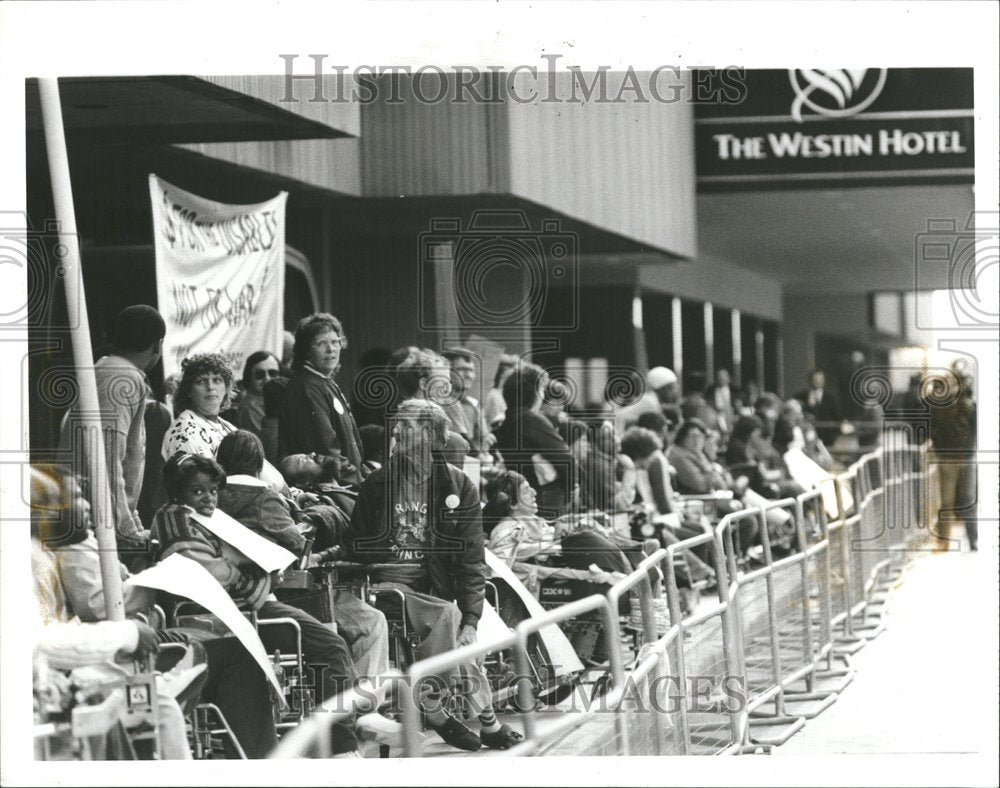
(640, 715)
(754, 611)
(823, 683)
(311, 738)
(707, 659)
(770, 652)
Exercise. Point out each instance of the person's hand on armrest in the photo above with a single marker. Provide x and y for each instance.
(466, 636)
(146, 642)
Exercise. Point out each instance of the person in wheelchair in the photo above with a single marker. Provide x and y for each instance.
(698, 474)
(418, 525)
(538, 552)
(192, 483)
(233, 682)
(78, 662)
(250, 501)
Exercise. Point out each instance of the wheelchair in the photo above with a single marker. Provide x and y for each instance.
(356, 578)
(289, 667)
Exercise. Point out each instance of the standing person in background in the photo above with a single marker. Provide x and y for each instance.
(530, 444)
(822, 405)
(494, 405)
(464, 411)
(152, 496)
(953, 434)
(259, 368)
(121, 393)
(315, 416)
(424, 375)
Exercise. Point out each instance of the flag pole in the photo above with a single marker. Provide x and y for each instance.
(83, 357)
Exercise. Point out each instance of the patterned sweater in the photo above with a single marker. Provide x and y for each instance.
(178, 533)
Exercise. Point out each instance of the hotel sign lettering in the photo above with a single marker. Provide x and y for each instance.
(851, 126)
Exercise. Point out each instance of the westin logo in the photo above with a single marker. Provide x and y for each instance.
(835, 93)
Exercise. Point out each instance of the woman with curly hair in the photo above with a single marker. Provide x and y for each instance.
(205, 390)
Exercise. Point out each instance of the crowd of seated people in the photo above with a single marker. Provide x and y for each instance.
(417, 494)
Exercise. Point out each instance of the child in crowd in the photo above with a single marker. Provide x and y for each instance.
(193, 483)
(249, 500)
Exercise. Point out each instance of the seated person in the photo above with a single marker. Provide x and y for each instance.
(245, 497)
(742, 458)
(653, 481)
(192, 483)
(234, 681)
(794, 430)
(697, 475)
(307, 471)
(89, 650)
(528, 544)
(418, 520)
(250, 501)
(768, 409)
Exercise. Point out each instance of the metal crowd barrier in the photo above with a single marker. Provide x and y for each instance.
(746, 671)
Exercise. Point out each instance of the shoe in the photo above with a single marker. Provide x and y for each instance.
(455, 733)
(375, 727)
(503, 739)
(351, 754)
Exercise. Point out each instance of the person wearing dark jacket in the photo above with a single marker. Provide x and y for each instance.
(953, 433)
(822, 406)
(418, 523)
(531, 446)
(248, 500)
(315, 415)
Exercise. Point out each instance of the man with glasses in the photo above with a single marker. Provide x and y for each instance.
(260, 367)
(315, 416)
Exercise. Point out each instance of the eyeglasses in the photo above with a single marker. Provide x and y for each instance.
(270, 374)
(323, 344)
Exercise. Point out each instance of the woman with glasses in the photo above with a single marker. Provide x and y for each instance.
(260, 367)
(315, 416)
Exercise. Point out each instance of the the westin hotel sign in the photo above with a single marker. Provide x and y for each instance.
(810, 127)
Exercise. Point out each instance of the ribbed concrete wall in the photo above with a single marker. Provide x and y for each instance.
(625, 167)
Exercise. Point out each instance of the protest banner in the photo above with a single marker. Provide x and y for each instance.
(220, 274)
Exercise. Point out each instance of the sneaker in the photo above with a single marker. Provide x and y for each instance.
(503, 739)
(455, 733)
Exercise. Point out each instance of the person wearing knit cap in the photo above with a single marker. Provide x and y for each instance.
(661, 395)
